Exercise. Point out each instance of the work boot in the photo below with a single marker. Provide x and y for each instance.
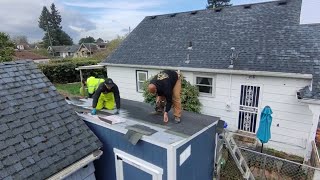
(177, 120)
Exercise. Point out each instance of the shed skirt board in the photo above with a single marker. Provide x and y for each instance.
(106, 166)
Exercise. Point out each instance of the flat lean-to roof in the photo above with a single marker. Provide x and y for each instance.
(140, 113)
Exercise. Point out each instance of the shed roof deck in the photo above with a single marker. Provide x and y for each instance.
(140, 113)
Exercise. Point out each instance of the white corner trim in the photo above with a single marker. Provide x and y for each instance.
(76, 166)
(218, 71)
(171, 163)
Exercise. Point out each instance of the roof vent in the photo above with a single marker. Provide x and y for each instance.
(173, 15)
(218, 9)
(233, 57)
(247, 6)
(282, 3)
(153, 17)
(194, 12)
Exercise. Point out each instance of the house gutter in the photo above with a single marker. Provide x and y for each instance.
(76, 166)
(217, 71)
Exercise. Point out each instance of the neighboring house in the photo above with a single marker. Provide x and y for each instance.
(23, 46)
(102, 45)
(40, 135)
(242, 58)
(20, 55)
(36, 46)
(87, 49)
(63, 51)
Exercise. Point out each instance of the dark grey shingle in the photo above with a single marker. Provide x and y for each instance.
(267, 36)
(27, 133)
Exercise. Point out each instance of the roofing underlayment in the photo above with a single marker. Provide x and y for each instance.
(141, 113)
(40, 134)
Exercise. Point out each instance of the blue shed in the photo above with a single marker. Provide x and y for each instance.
(143, 148)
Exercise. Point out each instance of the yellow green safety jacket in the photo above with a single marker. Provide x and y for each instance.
(93, 84)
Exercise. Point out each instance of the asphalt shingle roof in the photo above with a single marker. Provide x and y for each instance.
(267, 36)
(72, 48)
(40, 134)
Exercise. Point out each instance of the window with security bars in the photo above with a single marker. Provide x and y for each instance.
(141, 76)
(204, 84)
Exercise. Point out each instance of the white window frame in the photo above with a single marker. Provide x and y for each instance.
(120, 157)
(212, 86)
(138, 81)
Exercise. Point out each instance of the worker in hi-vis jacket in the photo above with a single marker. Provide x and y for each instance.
(92, 84)
(106, 96)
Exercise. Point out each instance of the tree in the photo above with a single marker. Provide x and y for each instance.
(20, 40)
(6, 48)
(218, 3)
(99, 40)
(50, 22)
(189, 96)
(87, 40)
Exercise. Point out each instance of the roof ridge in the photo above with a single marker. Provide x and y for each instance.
(226, 7)
(18, 62)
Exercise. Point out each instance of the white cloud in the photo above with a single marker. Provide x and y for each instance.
(21, 18)
(113, 4)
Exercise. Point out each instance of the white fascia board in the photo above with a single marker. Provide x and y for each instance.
(124, 131)
(181, 143)
(76, 166)
(310, 101)
(217, 71)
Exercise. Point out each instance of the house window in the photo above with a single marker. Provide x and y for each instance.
(204, 84)
(141, 76)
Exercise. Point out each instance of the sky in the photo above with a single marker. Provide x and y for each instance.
(106, 18)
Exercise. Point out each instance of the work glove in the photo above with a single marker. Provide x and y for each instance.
(94, 111)
(117, 111)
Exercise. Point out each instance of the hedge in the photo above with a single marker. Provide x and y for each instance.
(64, 72)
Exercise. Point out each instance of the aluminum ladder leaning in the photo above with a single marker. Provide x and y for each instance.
(226, 138)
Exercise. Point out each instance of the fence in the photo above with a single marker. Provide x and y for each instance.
(265, 166)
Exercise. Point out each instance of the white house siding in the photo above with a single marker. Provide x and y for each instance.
(292, 120)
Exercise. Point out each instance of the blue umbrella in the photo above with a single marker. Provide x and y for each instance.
(264, 133)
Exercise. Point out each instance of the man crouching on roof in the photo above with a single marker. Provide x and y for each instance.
(167, 86)
(106, 96)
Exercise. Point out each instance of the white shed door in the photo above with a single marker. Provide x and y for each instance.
(129, 167)
(248, 110)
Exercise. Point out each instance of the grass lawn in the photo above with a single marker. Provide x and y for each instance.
(71, 89)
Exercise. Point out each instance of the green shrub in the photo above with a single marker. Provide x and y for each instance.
(189, 96)
(65, 72)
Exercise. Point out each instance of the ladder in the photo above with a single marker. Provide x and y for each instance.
(227, 139)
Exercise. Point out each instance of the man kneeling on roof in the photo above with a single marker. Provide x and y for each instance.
(92, 84)
(167, 86)
(106, 96)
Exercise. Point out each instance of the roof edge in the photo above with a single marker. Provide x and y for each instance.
(220, 71)
(225, 7)
(77, 165)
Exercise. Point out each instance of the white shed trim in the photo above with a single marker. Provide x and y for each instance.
(76, 166)
(220, 71)
(90, 67)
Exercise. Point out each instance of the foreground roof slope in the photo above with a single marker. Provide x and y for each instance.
(40, 134)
